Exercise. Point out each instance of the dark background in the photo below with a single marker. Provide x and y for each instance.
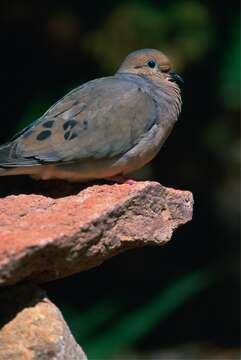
(49, 47)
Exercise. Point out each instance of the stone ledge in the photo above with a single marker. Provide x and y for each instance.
(44, 238)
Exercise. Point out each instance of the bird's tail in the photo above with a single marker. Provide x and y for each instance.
(7, 163)
(11, 164)
(5, 153)
(4, 158)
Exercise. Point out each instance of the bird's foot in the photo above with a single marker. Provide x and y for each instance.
(120, 179)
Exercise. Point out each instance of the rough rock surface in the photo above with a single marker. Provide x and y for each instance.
(44, 238)
(33, 328)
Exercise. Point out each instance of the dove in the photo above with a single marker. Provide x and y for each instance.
(104, 128)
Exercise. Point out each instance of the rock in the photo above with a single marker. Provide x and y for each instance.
(33, 328)
(44, 238)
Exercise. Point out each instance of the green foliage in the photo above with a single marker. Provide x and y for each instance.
(183, 30)
(230, 74)
(130, 328)
(84, 324)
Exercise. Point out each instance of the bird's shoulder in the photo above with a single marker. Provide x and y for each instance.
(78, 126)
(101, 91)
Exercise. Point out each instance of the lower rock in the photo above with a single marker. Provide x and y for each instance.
(32, 327)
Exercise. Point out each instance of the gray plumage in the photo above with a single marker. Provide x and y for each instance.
(106, 127)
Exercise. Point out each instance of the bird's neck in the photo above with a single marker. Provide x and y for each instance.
(170, 92)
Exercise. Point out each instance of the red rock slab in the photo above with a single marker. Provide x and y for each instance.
(43, 239)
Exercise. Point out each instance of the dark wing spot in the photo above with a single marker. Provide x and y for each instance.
(70, 124)
(48, 124)
(85, 123)
(43, 135)
(67, 135)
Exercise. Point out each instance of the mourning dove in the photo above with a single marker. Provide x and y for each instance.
(106, 127)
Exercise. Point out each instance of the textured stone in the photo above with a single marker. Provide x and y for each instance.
(33, 328)
(44, 238)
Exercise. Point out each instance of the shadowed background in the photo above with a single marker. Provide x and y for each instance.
(183, 296)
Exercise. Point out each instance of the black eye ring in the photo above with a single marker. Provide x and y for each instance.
(151, 64)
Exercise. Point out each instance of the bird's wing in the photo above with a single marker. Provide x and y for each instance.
(101, 119)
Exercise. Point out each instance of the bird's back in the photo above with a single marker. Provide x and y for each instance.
(101, 119)
(105, 127)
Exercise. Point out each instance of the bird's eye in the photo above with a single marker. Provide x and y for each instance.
(151, 64)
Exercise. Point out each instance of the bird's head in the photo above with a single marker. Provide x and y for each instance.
(151, 63)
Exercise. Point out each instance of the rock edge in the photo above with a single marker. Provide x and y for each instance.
(43, 238)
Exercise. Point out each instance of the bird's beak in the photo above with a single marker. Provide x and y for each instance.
(174, 77)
